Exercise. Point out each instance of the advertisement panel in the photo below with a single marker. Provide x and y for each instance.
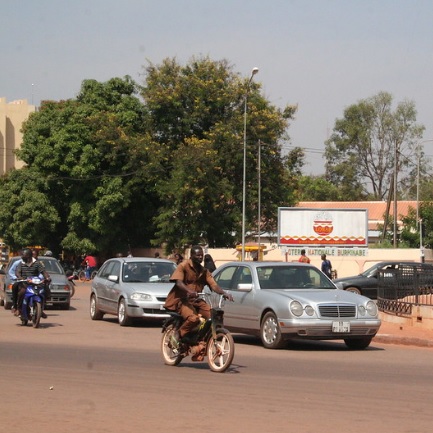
(344, 228)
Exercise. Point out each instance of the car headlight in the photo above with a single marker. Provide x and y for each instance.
(141, 297)
(371, 308)
(309, 310)
(296, 308)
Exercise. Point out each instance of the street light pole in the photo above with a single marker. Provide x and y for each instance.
(259, 199)
(244, 178)
(418, 219)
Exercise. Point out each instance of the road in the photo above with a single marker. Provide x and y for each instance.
(77, 375)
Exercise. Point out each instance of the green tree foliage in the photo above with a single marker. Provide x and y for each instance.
(410, 234)
(26, 216)
(88, 158)
(317, 188)
(108, 171)
(197, 117)
(361, 151)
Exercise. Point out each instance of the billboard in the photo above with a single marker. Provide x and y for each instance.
(299, 227)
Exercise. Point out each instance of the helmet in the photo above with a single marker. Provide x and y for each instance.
(49, 253)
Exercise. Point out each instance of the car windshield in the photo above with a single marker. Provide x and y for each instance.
(147, 272)
(372, 272)
(52, 266)
(292, 277)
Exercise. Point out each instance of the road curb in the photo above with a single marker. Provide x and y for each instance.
(406, 341)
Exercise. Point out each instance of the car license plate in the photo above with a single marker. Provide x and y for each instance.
(341, 327)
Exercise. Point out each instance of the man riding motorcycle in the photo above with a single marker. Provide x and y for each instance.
(29, 267)
(190, 277)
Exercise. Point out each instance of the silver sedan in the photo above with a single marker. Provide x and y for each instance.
(131, 288)
(279, 301)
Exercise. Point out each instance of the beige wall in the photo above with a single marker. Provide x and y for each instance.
(12, 116)
(345, 266)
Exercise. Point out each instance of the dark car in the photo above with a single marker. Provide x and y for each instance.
(366, 283)
(59, 286)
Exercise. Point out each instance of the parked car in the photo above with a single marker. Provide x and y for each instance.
(59, 286)
(131, 288)
(279, 301)
(366, 283)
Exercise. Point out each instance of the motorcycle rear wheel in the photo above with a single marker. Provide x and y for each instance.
(36, 314)
(170, 347)
(220, 351)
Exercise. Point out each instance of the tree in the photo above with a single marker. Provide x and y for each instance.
(26, 216)
(410, 234)
(317, 188)
(90, 160)
(370, 143)
(108, 171)
(197, 119)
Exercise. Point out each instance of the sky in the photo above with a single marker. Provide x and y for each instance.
(323, 55)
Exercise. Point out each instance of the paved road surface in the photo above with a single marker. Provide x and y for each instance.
(106, 378)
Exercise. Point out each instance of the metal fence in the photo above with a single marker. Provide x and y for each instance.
(401, 289)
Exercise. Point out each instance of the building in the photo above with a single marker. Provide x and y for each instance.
(12, 116)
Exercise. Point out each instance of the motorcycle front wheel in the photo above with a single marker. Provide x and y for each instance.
(170, 348)
(36, 314)
(220, 351)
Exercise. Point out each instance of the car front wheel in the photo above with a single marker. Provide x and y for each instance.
(122, 315)
(95, 312)
(353, 290)
(270, 332)
(358, 343)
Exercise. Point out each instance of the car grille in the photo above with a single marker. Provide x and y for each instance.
(154, 311)
(335, 310)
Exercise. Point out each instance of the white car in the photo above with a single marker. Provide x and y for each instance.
(279, 301)
(131, 288)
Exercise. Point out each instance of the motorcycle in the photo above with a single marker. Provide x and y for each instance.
(209, 338)
(33, 301)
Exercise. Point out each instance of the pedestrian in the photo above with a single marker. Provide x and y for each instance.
(326, 266)
(209, 263)
(178, 258)
(303, 258)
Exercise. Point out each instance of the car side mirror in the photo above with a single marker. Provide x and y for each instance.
(244, 287)
(113, 278)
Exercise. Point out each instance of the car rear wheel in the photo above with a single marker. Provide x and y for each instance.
(270, 332)
(358, 343)
(122, 315)
(95, 312)
(353, 290)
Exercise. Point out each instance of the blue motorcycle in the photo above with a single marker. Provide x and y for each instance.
(33, 301)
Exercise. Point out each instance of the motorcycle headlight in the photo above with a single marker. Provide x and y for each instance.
(296, 308)
(141, 297)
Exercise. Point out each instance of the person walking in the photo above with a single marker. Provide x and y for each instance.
(209, 264)
(326, 266)
(303, 258)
